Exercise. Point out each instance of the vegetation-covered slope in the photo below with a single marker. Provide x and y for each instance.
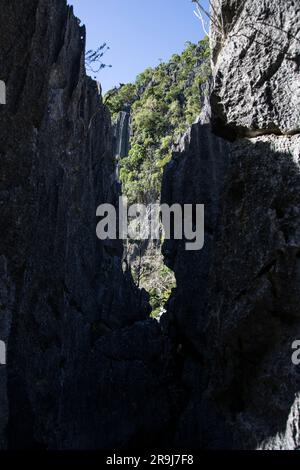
(164, 102)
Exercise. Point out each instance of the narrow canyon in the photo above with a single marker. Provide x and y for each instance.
(87, 366)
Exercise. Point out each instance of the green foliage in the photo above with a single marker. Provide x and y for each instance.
(151, 273)
(118, 98)
(164, 102)
(160, 294)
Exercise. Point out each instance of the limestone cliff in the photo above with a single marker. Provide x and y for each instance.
(122, 134)
(86, 367)
(235, 313)
(82, 355)
(257, 60)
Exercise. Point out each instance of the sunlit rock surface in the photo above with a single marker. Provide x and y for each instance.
(257, 67)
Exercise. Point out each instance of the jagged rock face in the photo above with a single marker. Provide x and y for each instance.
(68, 311)
(7, 295)
(254, 315)
(194, 176)
(254, 312)
(122, 134)
(86, 368)
(257, 61)
(235, 312)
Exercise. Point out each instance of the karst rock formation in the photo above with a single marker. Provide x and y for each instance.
(86, 366)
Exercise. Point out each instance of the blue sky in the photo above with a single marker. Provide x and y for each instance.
(138, 32)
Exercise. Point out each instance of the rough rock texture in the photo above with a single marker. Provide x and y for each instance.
(86, 367)
(121, 130)
(257, 65)
(194, 176)
(79, 366)
(235, 312)
(6, 304)
(254, 311)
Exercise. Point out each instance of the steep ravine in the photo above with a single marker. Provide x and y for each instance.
(150, 115)
(86, 367)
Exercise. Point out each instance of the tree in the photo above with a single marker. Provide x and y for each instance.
(93, 58)
(215, 17)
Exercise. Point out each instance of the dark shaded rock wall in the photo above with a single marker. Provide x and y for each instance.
(254, 309)
(77, 373)
(196, 175)
(86, 367)
(235, 312)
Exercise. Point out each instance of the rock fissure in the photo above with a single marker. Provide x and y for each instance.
(86, 366)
